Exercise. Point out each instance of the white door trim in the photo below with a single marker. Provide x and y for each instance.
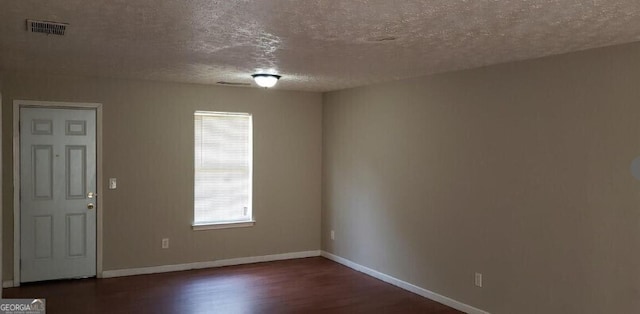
(17, 104)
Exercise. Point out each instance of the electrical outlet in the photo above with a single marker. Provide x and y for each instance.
(333, 235)
(478, 280)
(165, 243)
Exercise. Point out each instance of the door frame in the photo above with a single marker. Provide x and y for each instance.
(17, 104)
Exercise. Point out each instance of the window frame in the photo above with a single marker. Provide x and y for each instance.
(225, 224)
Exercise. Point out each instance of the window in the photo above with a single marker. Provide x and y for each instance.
(223, 170)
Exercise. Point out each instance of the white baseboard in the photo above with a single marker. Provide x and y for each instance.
(7, 284)
(208, 264)
(405, 285)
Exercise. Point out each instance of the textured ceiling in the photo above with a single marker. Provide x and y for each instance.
(316, 45)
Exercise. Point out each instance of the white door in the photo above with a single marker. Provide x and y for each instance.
(57, 193)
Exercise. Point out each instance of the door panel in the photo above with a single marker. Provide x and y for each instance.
(42, 172)
(76, 171)
(57, 171)
(76, 235)
(44, 236)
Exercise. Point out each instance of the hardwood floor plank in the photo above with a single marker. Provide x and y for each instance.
(309, 285)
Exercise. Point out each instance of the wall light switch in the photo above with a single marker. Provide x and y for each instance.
(113, 183)
(478, 280)
(333, 235)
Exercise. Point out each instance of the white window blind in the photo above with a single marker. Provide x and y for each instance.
(223, 162)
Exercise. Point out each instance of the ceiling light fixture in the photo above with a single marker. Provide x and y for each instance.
(266, 80)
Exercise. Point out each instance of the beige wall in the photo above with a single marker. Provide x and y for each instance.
(148, 146)
(519, 171)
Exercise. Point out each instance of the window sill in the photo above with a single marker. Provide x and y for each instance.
(224, 225)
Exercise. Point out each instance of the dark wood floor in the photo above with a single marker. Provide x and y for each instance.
(310, 285)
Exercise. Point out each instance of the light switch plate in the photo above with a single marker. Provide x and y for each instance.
(113, 183)
(478, 280)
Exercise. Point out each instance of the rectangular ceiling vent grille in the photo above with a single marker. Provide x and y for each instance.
(232, 83)
(46, 27)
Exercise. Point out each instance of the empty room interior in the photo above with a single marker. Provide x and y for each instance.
(326, 156)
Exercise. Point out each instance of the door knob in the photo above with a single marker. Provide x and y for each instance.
(90, 206)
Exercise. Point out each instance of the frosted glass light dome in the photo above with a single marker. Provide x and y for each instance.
(266, 80)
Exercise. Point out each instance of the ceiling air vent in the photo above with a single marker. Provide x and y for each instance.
(233, 83)
(46, 27)
(382, 38)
